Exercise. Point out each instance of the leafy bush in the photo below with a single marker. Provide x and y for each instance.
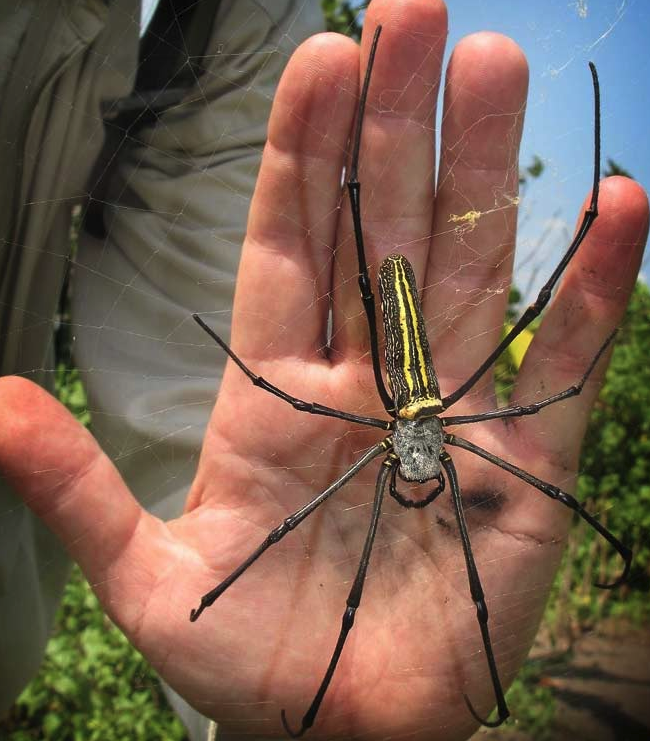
(531, 704)
(342, 16)
(614, 481)
(93, 685)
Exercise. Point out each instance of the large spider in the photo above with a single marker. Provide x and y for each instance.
(415, 449)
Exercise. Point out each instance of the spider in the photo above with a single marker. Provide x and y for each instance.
(416, 447)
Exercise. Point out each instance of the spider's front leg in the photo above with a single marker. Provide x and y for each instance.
(354, 191)
(311, 407)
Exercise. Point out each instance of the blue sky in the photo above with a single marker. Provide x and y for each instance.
(559, 41)
(559, 37)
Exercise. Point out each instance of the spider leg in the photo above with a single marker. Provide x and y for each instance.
(476, 590)
(410, 503)
(535, 309)
(354, 190)
(521, 411)
(554, 493)
(354, 598)
(288, 524)
(311, 407)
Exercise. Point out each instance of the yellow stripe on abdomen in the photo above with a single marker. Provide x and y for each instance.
(408, 357)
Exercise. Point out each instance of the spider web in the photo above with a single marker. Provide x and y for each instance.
(149, 372)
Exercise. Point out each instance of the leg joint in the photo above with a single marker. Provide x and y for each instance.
(281, 530)
(482, 614)
(365, 287)
(348, 617)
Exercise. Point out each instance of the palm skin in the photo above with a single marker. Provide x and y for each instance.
(415, 647)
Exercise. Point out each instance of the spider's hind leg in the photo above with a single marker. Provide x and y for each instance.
(476, 591)
(352, 603)
(553, 492)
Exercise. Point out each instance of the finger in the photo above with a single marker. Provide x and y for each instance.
(474, 227)
(589, 304)
(396, 163)
(281, 302)
(59, 471)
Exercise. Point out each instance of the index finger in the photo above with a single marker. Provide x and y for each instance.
(285, 271)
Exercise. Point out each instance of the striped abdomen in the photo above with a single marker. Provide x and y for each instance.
(409, 366)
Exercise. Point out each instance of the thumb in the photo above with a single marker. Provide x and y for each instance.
(55, 465)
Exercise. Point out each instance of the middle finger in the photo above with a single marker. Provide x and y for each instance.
(396, 164)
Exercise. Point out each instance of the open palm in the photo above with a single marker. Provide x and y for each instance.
(416, 648)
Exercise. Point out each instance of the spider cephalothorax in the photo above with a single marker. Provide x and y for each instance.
(418, 445)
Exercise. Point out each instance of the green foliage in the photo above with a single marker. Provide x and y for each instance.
(531, 704)
(613, 168)
(615, 468)
(534, 170)
(614, 481)
(67, 383)
(342, 16)
(70, 391)
(92, 686)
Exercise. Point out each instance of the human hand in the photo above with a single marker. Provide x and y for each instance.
(416, 647)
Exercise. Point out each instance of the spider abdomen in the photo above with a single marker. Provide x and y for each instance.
(409, 366)
(418, 444)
